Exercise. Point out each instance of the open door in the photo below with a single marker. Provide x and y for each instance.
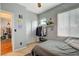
(6, 32)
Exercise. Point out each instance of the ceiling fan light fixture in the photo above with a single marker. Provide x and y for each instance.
(39, 5)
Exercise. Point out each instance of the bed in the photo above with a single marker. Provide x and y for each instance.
(54, 48)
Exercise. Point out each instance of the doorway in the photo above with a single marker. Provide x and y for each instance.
(6, 32)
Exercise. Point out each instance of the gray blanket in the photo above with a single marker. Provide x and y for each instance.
(54, 48)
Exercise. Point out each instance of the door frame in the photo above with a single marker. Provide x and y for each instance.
(12, 24)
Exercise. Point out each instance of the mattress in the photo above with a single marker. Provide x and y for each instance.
(54, 47)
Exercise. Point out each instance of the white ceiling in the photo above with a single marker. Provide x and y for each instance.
(34, 8)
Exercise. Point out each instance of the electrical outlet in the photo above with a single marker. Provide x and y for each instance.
(20, 43)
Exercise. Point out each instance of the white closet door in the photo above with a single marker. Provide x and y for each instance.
(74, 23)
(63, 24)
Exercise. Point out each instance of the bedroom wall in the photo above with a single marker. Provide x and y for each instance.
(52, 13)
(0, 23)
(0, 6)
(24, 34)
(31, 24)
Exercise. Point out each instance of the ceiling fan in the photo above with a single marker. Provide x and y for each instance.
(39, 5)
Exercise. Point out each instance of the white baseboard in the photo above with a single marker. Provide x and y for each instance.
(26, 45)
(19, 48)
(23, 47)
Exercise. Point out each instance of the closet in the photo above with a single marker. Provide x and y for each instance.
(68, 23)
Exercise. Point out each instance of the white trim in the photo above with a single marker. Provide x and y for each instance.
(25, 46)
(20, 48)
(12, 40)
(12, 32)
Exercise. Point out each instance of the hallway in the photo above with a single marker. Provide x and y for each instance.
(6, 46)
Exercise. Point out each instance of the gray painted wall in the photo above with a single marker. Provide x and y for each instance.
(0, 6)
(0, 23)
(52, 13)
(25, 34)
(31, 24)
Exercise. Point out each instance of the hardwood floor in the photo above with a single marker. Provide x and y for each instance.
(6, 46)
(23, 51)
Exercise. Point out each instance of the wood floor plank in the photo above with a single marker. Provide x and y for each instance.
(6, 46)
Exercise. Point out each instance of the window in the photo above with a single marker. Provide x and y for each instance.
(43, 21)
(68, 23)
